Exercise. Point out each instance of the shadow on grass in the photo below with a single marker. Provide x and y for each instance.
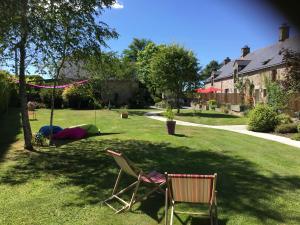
(241, 188)
(136, 112)
(10, 127)
(208, 115)
(180, 135)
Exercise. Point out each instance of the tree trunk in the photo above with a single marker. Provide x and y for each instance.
(52, 111)
(22, 81)
(177, 103)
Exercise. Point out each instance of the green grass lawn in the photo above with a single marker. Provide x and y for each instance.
(258, 180)
(210, 117)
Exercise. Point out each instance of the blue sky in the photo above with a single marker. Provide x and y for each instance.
(213, 29)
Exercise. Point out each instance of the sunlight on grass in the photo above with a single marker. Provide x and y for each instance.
(210, 117)
(258, 180)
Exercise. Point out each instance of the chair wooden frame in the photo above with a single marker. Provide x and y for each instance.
(170, 198)
(127, 167)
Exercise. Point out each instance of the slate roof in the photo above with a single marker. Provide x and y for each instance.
(260, 59)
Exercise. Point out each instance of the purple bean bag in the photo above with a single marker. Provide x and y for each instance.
(71, 133)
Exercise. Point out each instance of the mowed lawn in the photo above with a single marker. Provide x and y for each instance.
(210, 117)
(258, 180)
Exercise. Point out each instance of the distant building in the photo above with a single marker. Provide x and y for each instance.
(119, 92)
(256, 66)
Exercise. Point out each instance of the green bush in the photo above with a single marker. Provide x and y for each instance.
(46, 96)
(296, 137)
(286, 128)
(7, 88)
(169, 114)
(298, 128)
(78, 97)
(284, 119)
(212, 104)
(262, 119)
(277, 95)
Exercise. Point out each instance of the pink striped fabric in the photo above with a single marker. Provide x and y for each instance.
(192, 188)
(155, 177)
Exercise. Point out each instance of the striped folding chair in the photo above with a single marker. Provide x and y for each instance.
(191, 188)
(154, 180)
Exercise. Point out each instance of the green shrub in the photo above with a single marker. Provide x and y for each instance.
(298, 128)
(286, 128)
(169, 114)
(212, 104)
(284, 118)
(78, 97)
(296, 137)
(46, 96)
(262, 119)
(277, 95)
(6, 90)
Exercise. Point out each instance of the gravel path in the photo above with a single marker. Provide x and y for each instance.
(242, 129)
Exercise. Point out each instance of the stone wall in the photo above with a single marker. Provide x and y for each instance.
(120, 91)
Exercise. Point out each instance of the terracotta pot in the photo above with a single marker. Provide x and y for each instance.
(171, 127)
(124, 115)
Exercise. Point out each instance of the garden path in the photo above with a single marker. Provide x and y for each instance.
(242, 129)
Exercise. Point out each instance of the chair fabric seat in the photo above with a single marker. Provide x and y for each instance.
(155, 177)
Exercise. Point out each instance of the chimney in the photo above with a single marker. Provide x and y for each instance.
(227, 60)
(284, 32)
(245, 50)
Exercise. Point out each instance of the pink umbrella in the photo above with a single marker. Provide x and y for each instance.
(207, 90)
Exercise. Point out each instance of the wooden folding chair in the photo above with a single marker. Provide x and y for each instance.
(191, 188)
(155, 179)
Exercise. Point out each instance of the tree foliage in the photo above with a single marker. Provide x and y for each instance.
(174, 69)
(209, 68)
(134, 48)
(277, 96)
(106, 67)
(45, 32)
(144, 64)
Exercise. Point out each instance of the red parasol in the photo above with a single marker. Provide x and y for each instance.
(207, 90)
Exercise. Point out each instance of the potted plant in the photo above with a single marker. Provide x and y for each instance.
(170, 122)
(124, 112)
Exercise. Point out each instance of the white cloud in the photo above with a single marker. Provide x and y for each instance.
(117, 5)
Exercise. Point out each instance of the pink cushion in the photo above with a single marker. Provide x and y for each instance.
(70, 133)
(156, 177)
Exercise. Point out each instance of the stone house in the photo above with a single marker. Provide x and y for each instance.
(256, 66)
(118, 92)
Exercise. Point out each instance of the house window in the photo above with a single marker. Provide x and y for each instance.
(273, 75)
(264, 93)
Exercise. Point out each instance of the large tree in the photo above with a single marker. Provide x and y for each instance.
(144, 65)
(134, 48)
(209, 68)
(174, 69)
(48, 31)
